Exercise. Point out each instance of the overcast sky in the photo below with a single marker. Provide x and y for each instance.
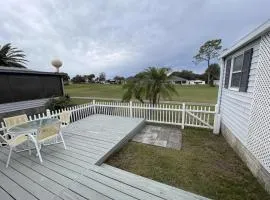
(122, 37)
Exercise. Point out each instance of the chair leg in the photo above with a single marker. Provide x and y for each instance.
(9, 155)
(38, 152)
(37, 148)
(29, 148)
(60, 133)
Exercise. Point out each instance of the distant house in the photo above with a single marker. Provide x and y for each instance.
(111, 81)
(244, 100)
(216, 82)
(23, 90)
(178, 80)
(196, 82)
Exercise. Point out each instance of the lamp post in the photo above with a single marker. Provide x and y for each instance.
(57, 64)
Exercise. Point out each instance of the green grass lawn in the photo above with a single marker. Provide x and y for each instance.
(203, 94)
(205, 165)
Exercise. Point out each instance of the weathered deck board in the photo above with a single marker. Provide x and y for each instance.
(154, 187)
(111, 131)
(5, 195)
(73, 173)
(14, 189)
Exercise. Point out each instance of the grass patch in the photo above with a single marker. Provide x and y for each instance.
(203, 93)
(80, 101)
(206, 165)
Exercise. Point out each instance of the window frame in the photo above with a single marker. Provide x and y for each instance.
(231, 71)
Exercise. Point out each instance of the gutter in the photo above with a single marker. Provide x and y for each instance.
(222, 67)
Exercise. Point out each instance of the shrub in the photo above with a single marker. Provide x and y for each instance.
(59, 103)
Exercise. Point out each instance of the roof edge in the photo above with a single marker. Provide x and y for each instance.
(257, 32)
(27, 71)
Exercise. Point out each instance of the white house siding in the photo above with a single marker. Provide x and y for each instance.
(235, 106)
(259, 127)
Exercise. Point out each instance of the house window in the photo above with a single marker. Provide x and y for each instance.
(236, 71)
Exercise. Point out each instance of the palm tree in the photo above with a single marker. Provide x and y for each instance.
(151, 84)
(12, 57)
(134, 88)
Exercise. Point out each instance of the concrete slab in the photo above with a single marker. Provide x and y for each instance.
(163, 136)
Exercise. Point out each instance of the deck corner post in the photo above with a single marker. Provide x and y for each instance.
(94, 105)
(130, 109)
(48, 113)
(183, 115)
(216, 128)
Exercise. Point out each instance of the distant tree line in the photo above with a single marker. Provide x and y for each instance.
(210, 74)
(101, 78)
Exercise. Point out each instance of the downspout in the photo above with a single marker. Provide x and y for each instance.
(217, 119)
(222, 67)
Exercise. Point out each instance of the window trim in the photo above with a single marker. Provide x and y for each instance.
(231, 71)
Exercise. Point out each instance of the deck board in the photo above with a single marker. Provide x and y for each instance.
(75, 173)
(15, 190)
(28, 184)
(5, 195)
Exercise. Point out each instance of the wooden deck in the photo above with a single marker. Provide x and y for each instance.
(78, 172)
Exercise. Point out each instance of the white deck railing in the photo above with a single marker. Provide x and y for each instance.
(182, 114)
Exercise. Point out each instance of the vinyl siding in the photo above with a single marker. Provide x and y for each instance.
(235, 106)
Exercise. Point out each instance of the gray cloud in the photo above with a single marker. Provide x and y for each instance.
(123, 36)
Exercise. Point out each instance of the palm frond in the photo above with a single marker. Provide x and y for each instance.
(12, 57)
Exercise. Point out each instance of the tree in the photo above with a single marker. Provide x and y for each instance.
(102, 76)
(78, 79)
(189, 75)
(66, 78)
(12, 57)
(213, 70)
(151, 84)
(119, 79)
(208, 51)
(186, 74)
(90, 78)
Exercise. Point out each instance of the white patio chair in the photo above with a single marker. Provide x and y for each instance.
(65, 118)
(12, 142)
(46, 133)
(13, 121)
(16, 120)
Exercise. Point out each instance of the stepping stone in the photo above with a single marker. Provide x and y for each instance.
(161, 143)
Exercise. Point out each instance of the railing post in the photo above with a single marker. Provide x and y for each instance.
(130, 109)
(183, 115)
(216, 128)
(94, 104)
(48, 113)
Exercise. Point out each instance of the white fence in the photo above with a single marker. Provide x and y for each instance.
(184, 114)
(191, 115)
